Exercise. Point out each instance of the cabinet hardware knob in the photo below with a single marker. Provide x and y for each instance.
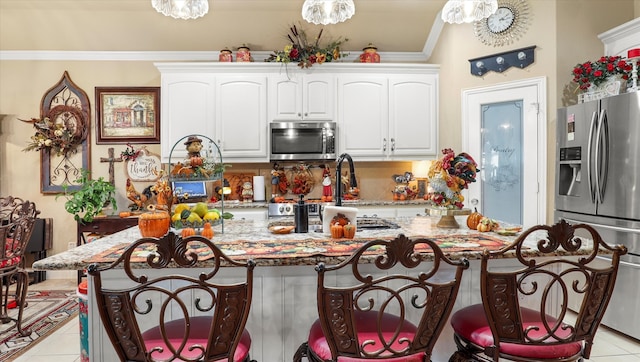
(393, 144)
(384, 144)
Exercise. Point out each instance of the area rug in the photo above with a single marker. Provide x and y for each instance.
(46, 312)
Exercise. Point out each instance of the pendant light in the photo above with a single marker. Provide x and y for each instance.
(327, 11)
(181, 9)
(468, 11)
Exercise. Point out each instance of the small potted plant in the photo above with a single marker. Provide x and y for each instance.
(88, 202)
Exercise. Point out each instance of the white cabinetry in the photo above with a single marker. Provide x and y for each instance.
(391, 117)
(385, 112)
(187, 107)
(295, 96)
(241, 116)
(363, 116)
(413, 115)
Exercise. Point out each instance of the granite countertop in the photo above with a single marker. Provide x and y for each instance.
(257, 231)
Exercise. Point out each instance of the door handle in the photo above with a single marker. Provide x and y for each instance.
(592, 189)
(384, 144)
(393, 144)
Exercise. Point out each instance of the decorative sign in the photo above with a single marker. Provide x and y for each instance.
(143, 166)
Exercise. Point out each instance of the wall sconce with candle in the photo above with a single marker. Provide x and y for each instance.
(500, 62)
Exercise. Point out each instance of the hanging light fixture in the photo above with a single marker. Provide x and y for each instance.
(181, 9)
(468, 11)
(327, 11)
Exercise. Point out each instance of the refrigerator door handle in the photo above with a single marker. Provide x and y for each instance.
(592, 126)
(603, 162)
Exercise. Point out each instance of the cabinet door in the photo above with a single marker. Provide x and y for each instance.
(413, 116)
(363, 116)
(186, 108)
(295, 97)
(241, 117)
(318, 94)
(285, 97)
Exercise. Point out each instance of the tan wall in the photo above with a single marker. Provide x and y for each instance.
(22, 84)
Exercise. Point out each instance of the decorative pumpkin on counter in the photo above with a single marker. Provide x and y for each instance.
(473, 219)
(187, 232)
(349, 231)
(337, 231)
(154, 223)
(207, 231)
(485, 224)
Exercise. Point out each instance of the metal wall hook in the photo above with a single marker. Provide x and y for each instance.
(500, 62)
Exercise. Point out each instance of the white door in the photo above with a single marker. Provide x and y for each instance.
(504, 129)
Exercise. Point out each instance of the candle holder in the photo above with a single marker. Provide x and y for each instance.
(633, 56)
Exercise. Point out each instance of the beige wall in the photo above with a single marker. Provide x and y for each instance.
(563, 33)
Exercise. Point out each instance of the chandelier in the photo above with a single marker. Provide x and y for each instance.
(327, 11)
(181, 9)
(468, 11)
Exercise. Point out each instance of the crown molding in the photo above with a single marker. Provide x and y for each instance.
(259, 56)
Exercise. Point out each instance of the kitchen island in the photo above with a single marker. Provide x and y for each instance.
(284, 300)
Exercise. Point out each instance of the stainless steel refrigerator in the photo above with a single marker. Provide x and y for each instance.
(598, 183)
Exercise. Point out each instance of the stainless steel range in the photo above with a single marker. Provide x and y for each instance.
(281, 209)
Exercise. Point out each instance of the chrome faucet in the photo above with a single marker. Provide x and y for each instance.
(352, 183)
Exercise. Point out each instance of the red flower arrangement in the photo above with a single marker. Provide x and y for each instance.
(307, 53)
(597, 72)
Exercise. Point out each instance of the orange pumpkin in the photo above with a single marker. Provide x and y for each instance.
(124, 214)
(187, 232)
(207, 231)
(154, 223)
(196, 161)
(349, 231)
(337, 231)
(473, 219)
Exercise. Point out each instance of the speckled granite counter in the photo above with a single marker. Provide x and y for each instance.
(257, 231)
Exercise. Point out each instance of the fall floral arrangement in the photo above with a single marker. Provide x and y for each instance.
(595, 73)
(448, 176)
(60, 138)
(307, 53)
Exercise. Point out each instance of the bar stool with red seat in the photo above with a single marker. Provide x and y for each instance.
(518, 319)
(153, 314)
(17, 219)
(386, 303)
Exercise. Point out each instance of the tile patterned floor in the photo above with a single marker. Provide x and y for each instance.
(64, 344)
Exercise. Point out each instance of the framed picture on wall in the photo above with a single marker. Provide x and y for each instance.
(127, 115)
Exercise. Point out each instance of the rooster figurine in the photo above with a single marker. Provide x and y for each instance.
(139, 199)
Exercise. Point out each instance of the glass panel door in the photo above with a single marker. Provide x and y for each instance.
(501, 140)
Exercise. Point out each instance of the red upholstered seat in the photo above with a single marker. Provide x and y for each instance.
(200, 327)
(471, 324)
(367, 330)
(9, 251)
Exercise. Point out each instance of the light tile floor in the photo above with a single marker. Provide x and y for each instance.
(64, 344)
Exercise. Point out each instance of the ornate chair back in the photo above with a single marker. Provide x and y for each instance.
(388, 302)
(528, 307)
(151, 313)
(17, 218)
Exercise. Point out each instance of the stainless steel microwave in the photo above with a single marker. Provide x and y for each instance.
(303, 140)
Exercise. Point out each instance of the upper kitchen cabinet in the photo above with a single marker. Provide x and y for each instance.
(187, 107)
(388, 117)
(413, 116)
(295, 96)
(363, 116)
(241, 117)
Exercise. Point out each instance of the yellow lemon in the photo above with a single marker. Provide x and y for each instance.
(211, 216)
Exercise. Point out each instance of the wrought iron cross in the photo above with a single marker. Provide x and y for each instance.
(111, 160)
